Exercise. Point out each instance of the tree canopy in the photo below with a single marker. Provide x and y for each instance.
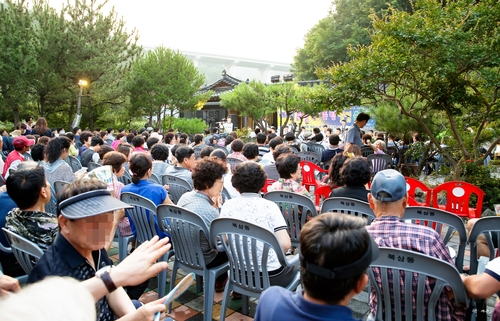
(438, 64)
(348, 24)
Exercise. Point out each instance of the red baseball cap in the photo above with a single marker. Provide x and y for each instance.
(21, 142)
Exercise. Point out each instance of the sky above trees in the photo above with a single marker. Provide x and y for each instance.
(259, 29)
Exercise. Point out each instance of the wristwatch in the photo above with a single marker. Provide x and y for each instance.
(103, 274)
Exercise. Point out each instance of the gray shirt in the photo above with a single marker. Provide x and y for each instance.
(354, 135)
(181, 172)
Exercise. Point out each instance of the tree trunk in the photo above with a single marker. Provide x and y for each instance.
(91, 120)
(72, 108)
(15, 110)
(42, 105)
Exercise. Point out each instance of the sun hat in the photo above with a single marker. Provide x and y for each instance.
(90, 204)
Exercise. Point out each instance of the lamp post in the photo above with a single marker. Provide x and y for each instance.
(78, 116)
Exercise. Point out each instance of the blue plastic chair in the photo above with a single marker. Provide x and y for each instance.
(142, 215)
(185, 228)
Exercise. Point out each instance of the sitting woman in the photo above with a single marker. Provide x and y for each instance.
(56, 169)
(141, 168)
(288, 166)
(334, 172)
(353, 150)
(354, 175)
(248, 179)
(205, 201)
(160, 153)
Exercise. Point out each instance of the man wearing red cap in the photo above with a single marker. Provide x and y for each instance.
(21, 146)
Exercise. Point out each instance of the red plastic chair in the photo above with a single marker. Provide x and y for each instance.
(322, 193)
(457, 198)
(411, 186)
(269, 182)
(308, 174)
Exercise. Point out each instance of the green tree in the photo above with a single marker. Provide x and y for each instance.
(165, 80)
(441, 62)
(348, 24)
(17, 55)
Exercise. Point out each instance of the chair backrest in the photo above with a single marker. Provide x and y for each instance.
(51, 206)
(457, 198)
(379, 162)
(155, 179)
(59, 186)
(309, 156)
(74, 163)
(233, 162)
(197, 151)
(488, 226)
(309, 170)
(392, 151)
(184, 228)
(245, 260)
(423, 215)
(221, 148)
(349, 206)
(305, 147)
(92, 165)
(142, 215)
(366, 151)
(296, 209)
(177, 187)
(24, 250)
(269, 182)
(413, 268)
(414, 185)
(125, 178)
(317, 148)
(322, 193)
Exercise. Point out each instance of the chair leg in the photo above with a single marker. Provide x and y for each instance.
(245, 304)
(162, 279)
(172, 284)
(225, 301)
(199, 283)
(208, 304)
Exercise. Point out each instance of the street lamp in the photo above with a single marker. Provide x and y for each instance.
(78, 116)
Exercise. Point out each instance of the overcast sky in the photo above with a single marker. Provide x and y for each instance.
(269, 30)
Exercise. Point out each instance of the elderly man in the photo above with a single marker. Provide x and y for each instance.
(388, 199)
(335, 250)
(86, 218)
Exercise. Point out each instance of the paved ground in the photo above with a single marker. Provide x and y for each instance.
(189, 306)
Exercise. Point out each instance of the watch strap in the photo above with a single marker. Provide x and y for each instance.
(106, 278)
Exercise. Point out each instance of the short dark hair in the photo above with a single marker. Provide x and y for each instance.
(28, 118)
(139, 165)
(356, 172)
(271, 136)
(332, 240)
(138, 141)
(248, 177)
(84, 136)
(76, 129)
(24, 186)
(219, 153)
(334, 139)
(206, 151)
(152, 141)
(55, 147)
(261, 138)
(229, 139)
(37, 152)
(237, 145)
(109, 130)
(125, 149)
(287, 164)
(160, 151)
(206, 171)
(257, 130)
(96, 140)
(183, 139)
(251, 150)
(168, 137)
(275, 142)
(198, 138)
(318, 137)
(70, 135)
(362, 117)
(183, 152)
(290, 137)
(130, 136)
(115, 160)
(281, 149)
(316, 130)
(104, 150)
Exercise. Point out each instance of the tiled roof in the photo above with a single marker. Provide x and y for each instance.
(218, 86)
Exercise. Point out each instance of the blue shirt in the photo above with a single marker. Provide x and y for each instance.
(153, 192)
(6, 205)
(277, 303)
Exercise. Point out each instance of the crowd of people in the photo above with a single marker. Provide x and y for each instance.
(335, 249)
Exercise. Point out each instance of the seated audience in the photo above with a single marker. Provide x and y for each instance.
(206, 151)
(228, 185)
(269, 157)
(388, 200)
(332, 150)
(334, 171)
(91, 154)
(354, 175)
(237, 147)
(205, 200)
(270, 169)
(335, 251)
(248, 179)
(160, 153)
(251, 152)
(185, 163)
(56, 169)
(353, 150)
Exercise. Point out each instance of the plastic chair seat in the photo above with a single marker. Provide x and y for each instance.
(177, 187)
